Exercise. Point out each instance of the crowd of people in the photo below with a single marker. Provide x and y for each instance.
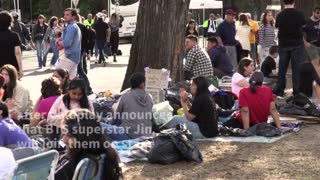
(234, 49)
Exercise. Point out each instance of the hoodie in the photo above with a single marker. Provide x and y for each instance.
(135, 110)
(220, 59)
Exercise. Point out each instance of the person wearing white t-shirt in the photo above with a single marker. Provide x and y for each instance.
(240, 79)
(7, 163)
(243, 32)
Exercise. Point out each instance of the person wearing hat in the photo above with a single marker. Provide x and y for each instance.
(256, 103)
(226, 33)
(21, 29)
(103, 33)
(220, 60)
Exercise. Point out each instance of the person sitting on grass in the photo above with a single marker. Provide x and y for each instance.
(15, 96)
(50, 91)
(256, 103)
(240, 79)
(269, 65)
(86, 145)
(11, 135)
(63, 76)
(75, 98)
(200, 117)
(137, 101)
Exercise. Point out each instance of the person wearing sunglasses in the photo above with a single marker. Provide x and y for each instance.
(312, 38)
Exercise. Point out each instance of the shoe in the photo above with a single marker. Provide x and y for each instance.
(114, 58)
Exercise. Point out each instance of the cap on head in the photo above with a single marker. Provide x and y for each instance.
(230, 12)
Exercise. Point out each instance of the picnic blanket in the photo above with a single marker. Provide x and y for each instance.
(252, 139)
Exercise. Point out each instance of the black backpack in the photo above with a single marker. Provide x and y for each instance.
(303, 101)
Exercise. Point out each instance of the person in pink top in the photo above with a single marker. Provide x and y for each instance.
(50, 91)
(75, 98)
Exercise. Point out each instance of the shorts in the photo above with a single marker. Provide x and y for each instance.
(313, 52)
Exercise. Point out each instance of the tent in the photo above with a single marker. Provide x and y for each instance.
(205, 4)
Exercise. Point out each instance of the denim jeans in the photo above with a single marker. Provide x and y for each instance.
(101, 45)
(192, 126)
(232, 53)
(41, 54)
(55, 52)
(83, 75)
(114, 132)
(296, 55)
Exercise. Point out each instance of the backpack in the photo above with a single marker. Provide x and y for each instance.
(303, 101)
(225, 99)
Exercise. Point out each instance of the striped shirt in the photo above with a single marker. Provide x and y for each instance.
(267, 36)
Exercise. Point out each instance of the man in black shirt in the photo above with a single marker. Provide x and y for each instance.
(312, 37)
(290, 23)
(103, 33)
(269, 67)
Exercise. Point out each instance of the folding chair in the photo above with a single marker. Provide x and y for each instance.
(89, 169)
(41, 166)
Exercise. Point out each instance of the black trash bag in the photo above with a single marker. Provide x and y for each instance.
(173, 145)
(304, 102)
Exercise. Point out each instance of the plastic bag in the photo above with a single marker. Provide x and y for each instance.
(173, 145)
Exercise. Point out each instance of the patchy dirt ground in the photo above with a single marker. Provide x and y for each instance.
(294, 157)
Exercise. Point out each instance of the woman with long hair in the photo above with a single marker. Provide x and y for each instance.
(63, 76)
(114, 24)
(74, 99)
(15, 96)
(38, 37)
(240, 79)
(243, 29)
(192, 28)
(86, 145)
(267, 35)
(200, 117)
(52, 33)
(256, 103)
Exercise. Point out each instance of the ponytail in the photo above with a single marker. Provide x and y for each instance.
(253, 87)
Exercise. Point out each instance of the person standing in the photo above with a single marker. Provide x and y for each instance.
(114, 24)
(10, 45)
(219, 20)
(226, 33)
(267, 35)
(53, 34)
(83, 64)
(243, 32)
(210, 26)
(103, 33)
(254, 30)
(312, 38)
(71, 43)
(38, 35)
(89, 22)
(290, 23)
(22, 31)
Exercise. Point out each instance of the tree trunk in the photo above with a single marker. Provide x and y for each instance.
(159, 38)
(56, 7)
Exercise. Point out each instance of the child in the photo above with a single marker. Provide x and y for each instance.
(268, 67)
(74, 99)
